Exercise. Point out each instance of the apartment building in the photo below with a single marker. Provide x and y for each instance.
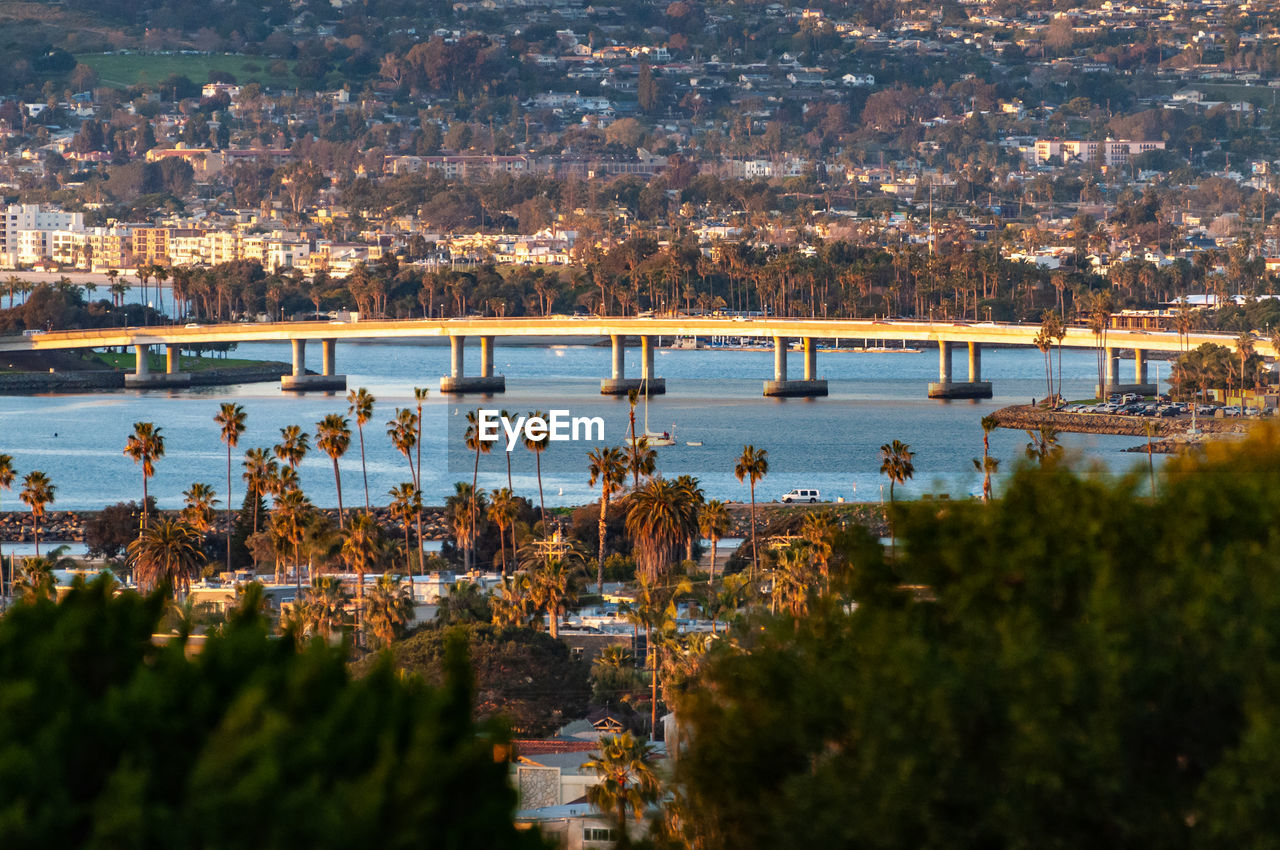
(28, 229)
(1109, 152)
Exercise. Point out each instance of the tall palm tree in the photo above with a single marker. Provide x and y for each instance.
(403, 431)
(333, 437)
(145, 445)
(696, 499)
(538, 446)
(289, 523)
(388, 609)
(230, 420)
(198, 504)
(752, 466)
(896, 461)
(551, 588)
(7, 474)
(419, 396)
(661, 517)
(293, 446)
(713, 523)
(361, 547)
(37, 494)
(503, 511)
(405, 501)
(463, 520)
(988, 464)
(628, 783)
(632, 397)
(259, 471)
(607, 465)
(480, 447)
(360, 405)
(168, 553)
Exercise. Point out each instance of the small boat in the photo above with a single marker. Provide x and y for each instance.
(693, 442)
(653, 438)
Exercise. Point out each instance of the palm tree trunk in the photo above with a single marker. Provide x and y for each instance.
(228, 507)
(364, 470)
(337, 482)
(542, 502)
(604, 510)
(755, 552)
(712, 577)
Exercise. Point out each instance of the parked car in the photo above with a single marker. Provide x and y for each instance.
(801, 495)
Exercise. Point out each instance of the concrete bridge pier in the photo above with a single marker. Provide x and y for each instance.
(300, 381)
(618, 383)
(143, 378)
(811, 385)
(1141, 385)
(944, 387)
(458, 381)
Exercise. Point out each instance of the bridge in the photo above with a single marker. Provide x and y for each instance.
(619, 330)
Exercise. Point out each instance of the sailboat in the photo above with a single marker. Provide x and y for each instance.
(654, 438)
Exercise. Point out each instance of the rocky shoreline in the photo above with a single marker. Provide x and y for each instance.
(1169, 435)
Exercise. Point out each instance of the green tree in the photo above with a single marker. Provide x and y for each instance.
(752, 466)
(713, 523)
(246, 744)
(360, 405)
(333, 437)
(145, 446)
(37, 494)
(896, 462)
(606, 465)
(627, 784)
(988, 464)
(166, 554)
(389, 609)
(406, 500)
(230, 420)
(361, 549)
(661, 516)
(7, 476)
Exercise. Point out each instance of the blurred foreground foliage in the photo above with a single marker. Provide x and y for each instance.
(107, 740)
(1074, 665)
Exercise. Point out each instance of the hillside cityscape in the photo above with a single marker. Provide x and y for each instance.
(262, 255)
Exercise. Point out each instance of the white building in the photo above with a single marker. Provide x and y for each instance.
(28, 229)
(1109, 152)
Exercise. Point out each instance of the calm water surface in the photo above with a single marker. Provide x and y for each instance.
(714, 397)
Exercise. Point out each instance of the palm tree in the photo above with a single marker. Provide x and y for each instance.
(503, 510)
(628, 784)
(713, 523)
(360, 405)
(319, 611)
(37, 494)
(289, 523)
(145, 445)
(896, 462)
(661, 517)
(463, 520)
(403, 431)
(36, 581)
(480, 447)
(653, 610)
(632, 397)
(7, 474)
(419, 396)
(230, 419)
(333, 437)
(388, 610)
(791, 581)
(361, 546)
(818, 531)
(551, 588)
(259, 471)
(642, 461)
(169, 553)
(1043, 447)
(293, 446)
(405, 501)
(538, 445)
(198, 504)
(608, 466)
(753, 465)
(988, 464)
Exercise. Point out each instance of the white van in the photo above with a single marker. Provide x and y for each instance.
(802, 496)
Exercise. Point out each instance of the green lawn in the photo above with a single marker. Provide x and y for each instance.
(185, 363)
(129, 70)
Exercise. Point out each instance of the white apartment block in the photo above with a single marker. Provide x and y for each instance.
(1109, 152)
(28, 229)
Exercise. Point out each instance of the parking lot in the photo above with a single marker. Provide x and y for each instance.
(1161, 407)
